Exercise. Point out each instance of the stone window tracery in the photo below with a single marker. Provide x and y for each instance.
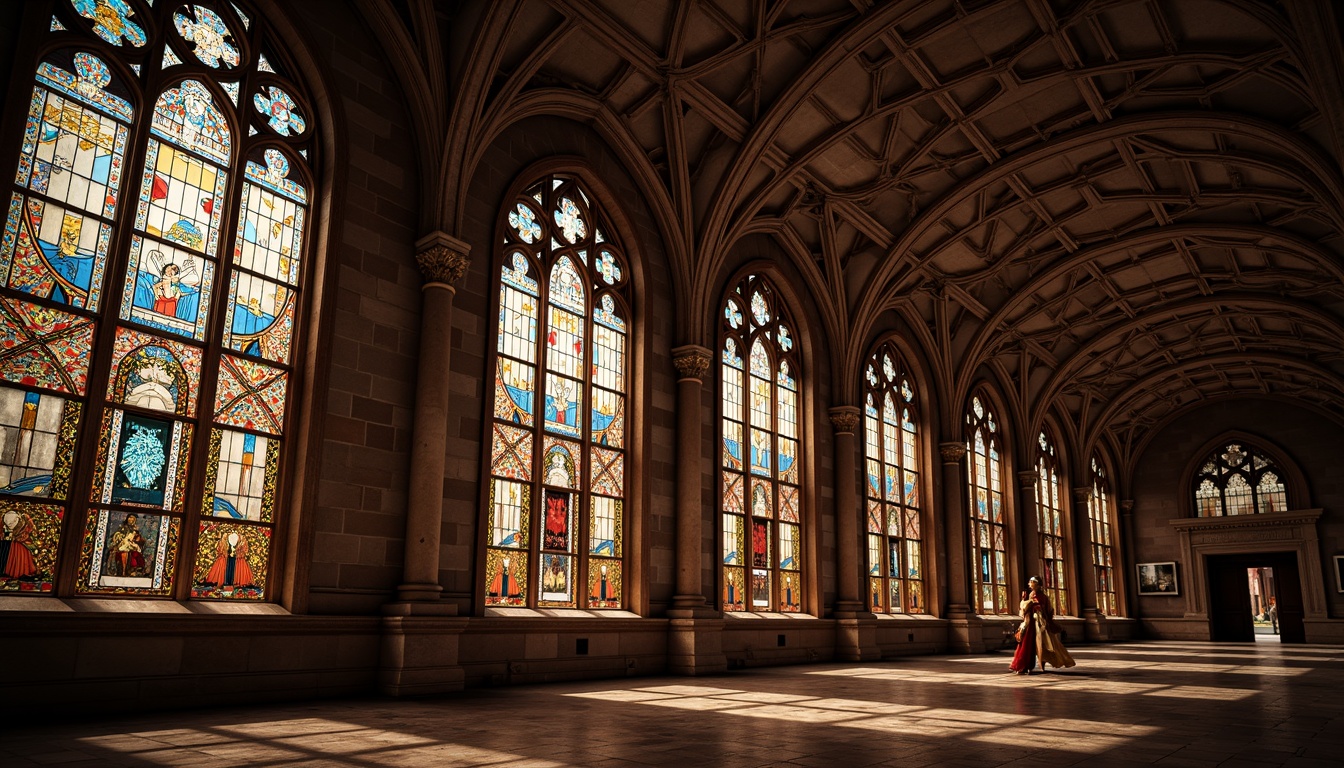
(1101, 518)
(1239, 479)
(1052, 525)
(893, 486)
(761, 511)
(558, 469)
(988, 523)
(152, 276)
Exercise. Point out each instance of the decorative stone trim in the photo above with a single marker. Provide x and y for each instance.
(952, 452)
(845, 419)
(442, 259)
(692, 362)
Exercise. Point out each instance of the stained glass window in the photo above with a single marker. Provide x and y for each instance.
(558, 469)
(988, 515)
(148, 348)
(1239, 479)
(761, 509)
(1052, 525)
(894, 488)
(1101, 518)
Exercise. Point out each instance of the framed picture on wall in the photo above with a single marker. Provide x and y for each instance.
(1159, 579)
(1339, 573)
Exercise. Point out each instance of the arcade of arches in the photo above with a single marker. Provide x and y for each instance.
(583, 338)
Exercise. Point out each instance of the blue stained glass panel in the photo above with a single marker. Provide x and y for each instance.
(112, 20)
(732, 445)
(515, 388)
(72, 153)
(54, 253)
(167, 288)
(259, 319)
(278, 109)
(608, 418)
(141, 462)
(563, 397)
(87, 84)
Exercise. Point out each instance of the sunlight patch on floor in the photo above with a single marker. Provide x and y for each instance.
(1006, 728)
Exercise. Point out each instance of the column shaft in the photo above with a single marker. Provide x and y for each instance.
(954, 526)
(1030, 526)
(1087, 575)
(845, 420)
(692, 363)
(442, 261)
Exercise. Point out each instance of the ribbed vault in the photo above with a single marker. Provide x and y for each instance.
(1123, 207)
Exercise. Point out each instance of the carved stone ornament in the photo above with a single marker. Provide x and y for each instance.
(442, 264)
(692, 362)
(845, 419)
(952, 452)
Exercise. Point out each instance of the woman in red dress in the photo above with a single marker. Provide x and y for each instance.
(1038, 636)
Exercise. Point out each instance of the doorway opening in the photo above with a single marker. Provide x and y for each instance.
(1264, 604)
(1252, 595)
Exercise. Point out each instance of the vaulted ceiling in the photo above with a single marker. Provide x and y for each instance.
(1119, 208)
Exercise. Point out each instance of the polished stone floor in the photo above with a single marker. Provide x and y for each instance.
(1159, 703)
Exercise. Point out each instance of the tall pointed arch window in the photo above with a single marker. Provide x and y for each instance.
(151, 291)
(1051, 525)
(762, 505)
(1239, 479)
(894, 486)
(988, 539)
(557, 464)
(1101, 517)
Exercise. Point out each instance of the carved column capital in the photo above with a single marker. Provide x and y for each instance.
(442, 259)
(1126, 506)
(1027, 478)
(1082, 495)
(952, 452)
(845, 419)
(692, 362)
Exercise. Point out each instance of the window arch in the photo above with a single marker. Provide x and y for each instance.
(1239, 479)
(1101, 517)
(762, 503)
(555, 514)
(1051, 524)
(894, 487)
(989, 549)
(151, 283)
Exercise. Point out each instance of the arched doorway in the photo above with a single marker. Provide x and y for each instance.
(1230, 608)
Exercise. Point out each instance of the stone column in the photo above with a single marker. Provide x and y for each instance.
(692, 364)
(856, 627)
(420, 631)
(1029, 520)
(964, 632)
(954, 528)
(442, 261)
(695, 632)
(1086, 578)
(848, 542)
(1124, 560)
